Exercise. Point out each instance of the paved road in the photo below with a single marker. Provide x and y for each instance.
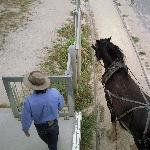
(143, 8)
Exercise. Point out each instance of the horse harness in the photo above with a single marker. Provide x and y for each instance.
(115, 66)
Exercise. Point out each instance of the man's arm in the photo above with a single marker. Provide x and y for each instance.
(61, 102)
(26, 118)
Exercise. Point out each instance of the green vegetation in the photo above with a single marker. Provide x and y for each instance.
(12, 16)
(125, 15)
(135, 39)
(4, 105)
(118, 4)
(56, 63)
(87, 128)
(142, 53)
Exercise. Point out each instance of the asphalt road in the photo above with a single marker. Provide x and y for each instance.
(143, 9)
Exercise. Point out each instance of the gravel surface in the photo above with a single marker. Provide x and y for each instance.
(25, 48)
(137, 20)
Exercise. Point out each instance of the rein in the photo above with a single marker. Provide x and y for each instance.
(115, 66)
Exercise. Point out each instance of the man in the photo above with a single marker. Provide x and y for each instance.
(42, 107)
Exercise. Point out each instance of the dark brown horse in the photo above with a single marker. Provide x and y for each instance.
(127, 103)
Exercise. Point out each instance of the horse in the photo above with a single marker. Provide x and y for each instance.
(127, 102)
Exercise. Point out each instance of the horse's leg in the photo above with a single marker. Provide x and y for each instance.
(142, 145)
(139, 145)
(111, 133)
(133, 147)
(111, 109)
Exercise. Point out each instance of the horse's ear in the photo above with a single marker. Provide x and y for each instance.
(109, 39)
(93, 47)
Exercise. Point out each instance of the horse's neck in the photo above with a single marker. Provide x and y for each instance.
(107, 60)
(106, 64)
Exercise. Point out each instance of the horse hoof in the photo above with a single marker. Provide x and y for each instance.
(133, 147)
(111, 135)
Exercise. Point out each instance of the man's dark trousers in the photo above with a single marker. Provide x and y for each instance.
(49, 134)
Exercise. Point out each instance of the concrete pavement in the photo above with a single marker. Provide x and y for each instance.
(12, 137)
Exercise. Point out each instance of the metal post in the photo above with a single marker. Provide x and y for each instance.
(75, 23)
(73, 56)
(70, 96)
(11, 98)
(78, 43)
(78, 4)
(78, 37)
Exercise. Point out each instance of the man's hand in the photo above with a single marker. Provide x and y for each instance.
(27, 134)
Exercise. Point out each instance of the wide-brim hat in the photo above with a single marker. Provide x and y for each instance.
(36, 80)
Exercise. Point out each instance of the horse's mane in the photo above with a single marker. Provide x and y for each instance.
(111, 48)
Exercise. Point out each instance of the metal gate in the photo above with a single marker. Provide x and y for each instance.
(16, 92)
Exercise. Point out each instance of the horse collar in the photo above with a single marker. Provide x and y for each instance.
(116, 65)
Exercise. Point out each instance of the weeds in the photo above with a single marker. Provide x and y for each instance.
(135, 39)
(142, 53)
(87, 128)
(12, 16)
(118, 4)
(56, 62)
(125, 15)
(4, 105)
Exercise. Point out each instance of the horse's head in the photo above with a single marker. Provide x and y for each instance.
(107, 51)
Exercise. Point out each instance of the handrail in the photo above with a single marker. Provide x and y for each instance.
(77, 16)
(9, 90)
(77, 132)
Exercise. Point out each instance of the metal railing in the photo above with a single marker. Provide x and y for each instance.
(16, 92)
(77, 21)
(77, 132)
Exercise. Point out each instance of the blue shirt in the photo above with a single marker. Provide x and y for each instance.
(41, 108)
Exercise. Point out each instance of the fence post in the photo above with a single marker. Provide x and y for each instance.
(78, 4)
(11, 98)
(70, 96)
(75, 23)
(73, 56)
(78, 37)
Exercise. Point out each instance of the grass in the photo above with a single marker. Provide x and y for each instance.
(55, 64)
(142, 53)
(118, 4)
(135, 39)
(87, 128)
(125, 15)
(12, 16)
(4, 105)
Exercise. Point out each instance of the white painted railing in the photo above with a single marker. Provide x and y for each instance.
(77, 132)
